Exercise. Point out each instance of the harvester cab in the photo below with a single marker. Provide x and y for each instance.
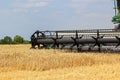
(116, 18)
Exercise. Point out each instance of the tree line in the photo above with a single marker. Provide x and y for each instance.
(16, 40)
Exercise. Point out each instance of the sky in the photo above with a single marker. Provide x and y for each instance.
(24, 17)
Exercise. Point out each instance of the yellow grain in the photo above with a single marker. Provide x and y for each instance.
(19, 62)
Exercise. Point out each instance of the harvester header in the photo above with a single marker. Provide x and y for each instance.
(97, 39)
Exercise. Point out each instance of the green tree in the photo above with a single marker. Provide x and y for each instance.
(18, 40)
(2, 41)
(26, 42)
(7, 40)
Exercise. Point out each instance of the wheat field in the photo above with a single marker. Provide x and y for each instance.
(19, 62)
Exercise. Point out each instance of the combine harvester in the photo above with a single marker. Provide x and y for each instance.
(96, 39)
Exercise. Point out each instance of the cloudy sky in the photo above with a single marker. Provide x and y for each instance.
(23, 17)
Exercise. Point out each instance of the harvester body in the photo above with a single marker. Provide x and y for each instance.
(116, 18)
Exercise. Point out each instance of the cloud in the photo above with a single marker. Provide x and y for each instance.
(84, 6)
(26, 5)
(87, 1)
(30, 3)
(36, 4)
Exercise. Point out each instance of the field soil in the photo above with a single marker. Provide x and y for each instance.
(19, 62)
